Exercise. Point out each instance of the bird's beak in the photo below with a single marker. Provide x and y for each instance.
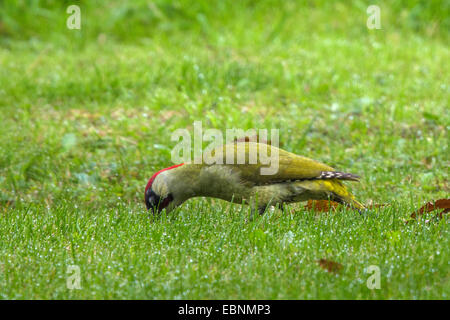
(151, 200)
(155, 202)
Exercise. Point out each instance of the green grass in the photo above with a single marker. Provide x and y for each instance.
(86, 118)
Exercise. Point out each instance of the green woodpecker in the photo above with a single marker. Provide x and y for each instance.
(243, 181)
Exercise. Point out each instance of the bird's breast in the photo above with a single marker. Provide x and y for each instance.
(221, 181)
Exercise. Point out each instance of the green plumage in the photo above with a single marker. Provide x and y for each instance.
(296, 179)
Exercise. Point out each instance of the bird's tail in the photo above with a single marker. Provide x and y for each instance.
(340, 193)
(335, 190)
(338, 175)
(356, 204)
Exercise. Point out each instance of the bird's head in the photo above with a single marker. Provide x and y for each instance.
(158, 193)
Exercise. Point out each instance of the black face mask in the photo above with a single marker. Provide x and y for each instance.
(153, 201)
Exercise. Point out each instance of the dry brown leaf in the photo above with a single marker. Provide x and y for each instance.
(321, 205)
(6, 204)
(326, 205)
(441, 204)
(330, 266)
(427, 162)
(376, 205)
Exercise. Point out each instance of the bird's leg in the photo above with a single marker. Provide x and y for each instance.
(252, 214)
(262, 209)
(256, 209)
(253, 209)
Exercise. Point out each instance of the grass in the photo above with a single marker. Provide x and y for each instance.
(86, 118)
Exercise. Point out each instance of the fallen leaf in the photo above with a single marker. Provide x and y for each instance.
(442, 204)
(5, 204)
(330, 266)
(371, 205)
(428, 162)
(326, 205)
(321, 205)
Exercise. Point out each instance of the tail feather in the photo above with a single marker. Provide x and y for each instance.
(349, 201)
(340, 193)
(332, 189)
(325, 175)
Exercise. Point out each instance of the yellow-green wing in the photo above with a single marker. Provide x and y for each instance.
(262, 163)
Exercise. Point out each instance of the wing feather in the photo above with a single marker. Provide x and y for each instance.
(250, 158)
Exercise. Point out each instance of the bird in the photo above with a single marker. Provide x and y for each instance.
(297, 179)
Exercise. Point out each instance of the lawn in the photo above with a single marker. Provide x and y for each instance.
(87, 117)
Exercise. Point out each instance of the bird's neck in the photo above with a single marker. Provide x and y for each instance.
(184, 181)
(197, 180)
